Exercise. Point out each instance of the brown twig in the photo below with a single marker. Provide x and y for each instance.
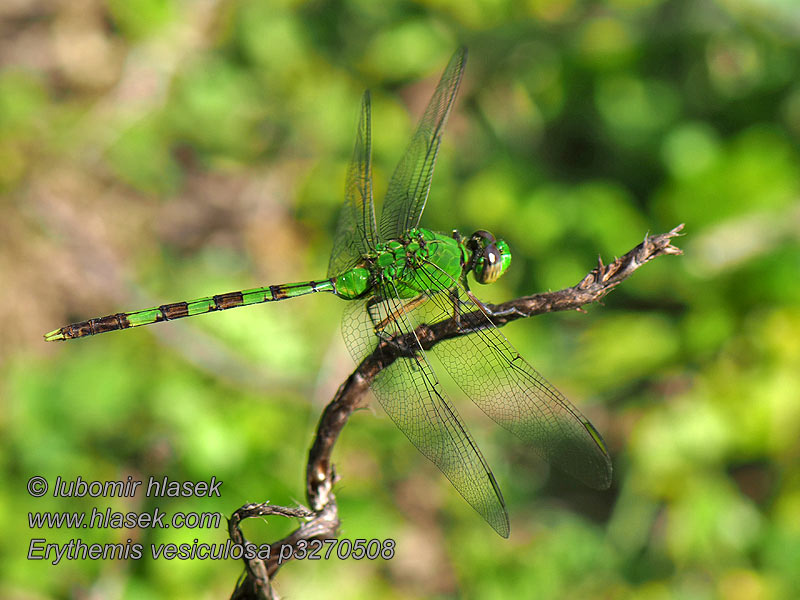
(322, 521)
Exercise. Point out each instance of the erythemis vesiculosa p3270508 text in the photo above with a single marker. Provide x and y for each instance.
(397, 277)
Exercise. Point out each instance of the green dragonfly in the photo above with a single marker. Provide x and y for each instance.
(398, 277)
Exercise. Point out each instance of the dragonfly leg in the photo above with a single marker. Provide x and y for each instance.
(381, 325)
(456, 306)
(371, 304)
(496, 313)
(507, 312)
(394, 317)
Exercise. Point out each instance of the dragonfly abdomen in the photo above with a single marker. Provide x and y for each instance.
(178, 310)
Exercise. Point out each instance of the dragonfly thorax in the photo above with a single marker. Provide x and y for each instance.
(421, 262)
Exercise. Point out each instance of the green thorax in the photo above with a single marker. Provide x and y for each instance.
(419, 262)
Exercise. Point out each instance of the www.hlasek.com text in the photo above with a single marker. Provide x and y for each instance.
(111, 519)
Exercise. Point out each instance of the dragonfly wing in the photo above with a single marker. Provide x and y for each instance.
(408, 188)
(355, 233)
(412, 396)
(491, 372)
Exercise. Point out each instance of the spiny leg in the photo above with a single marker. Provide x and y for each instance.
(456, 307)
(405, 308)
(495, 313)
(382, 317)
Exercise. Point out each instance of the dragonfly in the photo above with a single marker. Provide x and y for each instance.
(398, 277)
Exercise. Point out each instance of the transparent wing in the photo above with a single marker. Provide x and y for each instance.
(355, 232)
(490, 371)
(412, 396)
(411, 180)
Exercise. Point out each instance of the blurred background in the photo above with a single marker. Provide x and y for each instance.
(161, 150)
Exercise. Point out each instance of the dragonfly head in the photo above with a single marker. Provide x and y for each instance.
(490, 257)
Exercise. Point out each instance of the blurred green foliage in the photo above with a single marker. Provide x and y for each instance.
(160, 150)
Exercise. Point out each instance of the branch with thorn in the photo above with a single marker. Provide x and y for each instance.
(321, 520)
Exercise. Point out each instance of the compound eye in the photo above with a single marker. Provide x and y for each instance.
(489, 266)
(479, 240)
